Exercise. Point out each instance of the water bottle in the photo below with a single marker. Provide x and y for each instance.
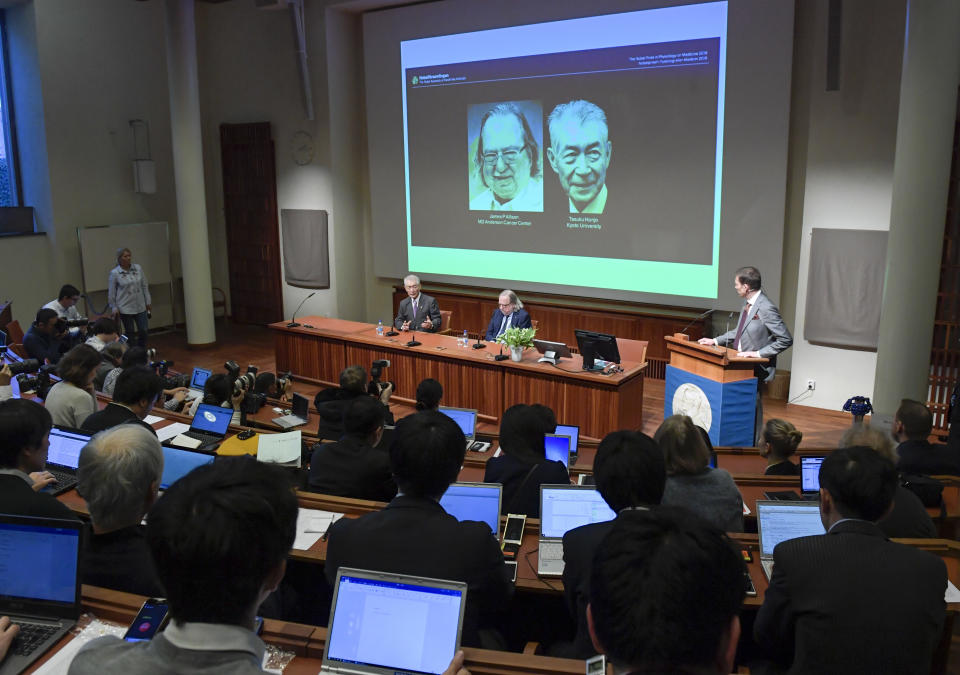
(380, 328)
(466, 338)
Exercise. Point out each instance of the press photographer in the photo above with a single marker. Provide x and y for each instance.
(330, 403)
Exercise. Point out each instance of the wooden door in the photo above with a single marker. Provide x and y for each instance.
(250, 208)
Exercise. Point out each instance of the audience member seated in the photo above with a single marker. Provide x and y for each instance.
(110, 358)
(218, 390)
(72, 399)
(137, 356)
(414, 535)
(137, 391)
(630, 475)
(691, 482)
(907, 517)
(24, 440)
(429, 394)
(119, 474)
(912, 427)
(779, 441)
(330, 403)
(43, 342)
(665, 595)
(522, 466)
(105, 332)
(219, 538)
(354, 466)
(66, 308)
(851, 601)
(6, 389)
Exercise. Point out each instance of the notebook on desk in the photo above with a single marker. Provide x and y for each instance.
(299, 414)
(466, 419)
(381, 624)
(779, 521)
(40, 584)
(562, 508)
(208, 428)
(197, 380)
(63, 457)
(474, 501)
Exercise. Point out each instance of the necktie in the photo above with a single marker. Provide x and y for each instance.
(503, 325)
(740, 326)
(414, 309)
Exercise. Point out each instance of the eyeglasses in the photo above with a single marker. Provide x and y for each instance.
(506, 304)
(509, 155)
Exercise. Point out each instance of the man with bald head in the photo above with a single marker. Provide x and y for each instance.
(579, 153)
(508, 161)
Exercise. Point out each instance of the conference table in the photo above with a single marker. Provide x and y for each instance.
(598, 403)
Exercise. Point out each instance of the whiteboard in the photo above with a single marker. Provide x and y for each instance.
(149, 243)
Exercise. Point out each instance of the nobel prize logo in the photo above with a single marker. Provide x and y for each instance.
(690, 400)
(209, 416)
(416, 80)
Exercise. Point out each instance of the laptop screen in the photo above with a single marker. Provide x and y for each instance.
(573, 432)
(178, 463)
(65, 447)
(199, 378)
(564, 508)
(400, 626)
(474, 502)
(212, 419)
(779, 521)
(301, 406)
(810, 473)
(38, 562)
(466, 419)
(557, 448)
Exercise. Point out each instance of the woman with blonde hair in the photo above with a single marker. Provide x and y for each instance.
(779, 441)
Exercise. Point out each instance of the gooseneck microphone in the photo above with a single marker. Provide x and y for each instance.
(707, 313)
(293, 321)
(478, 344)
(413, 338)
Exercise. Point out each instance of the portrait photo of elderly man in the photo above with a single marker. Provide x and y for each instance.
(579, 153)
(507, 160)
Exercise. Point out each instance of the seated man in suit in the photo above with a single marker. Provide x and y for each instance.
(43, 341)
(330, 403)
(137, 390)
(851, 600)
(665, 594)
(354, 466)
(414, 535)
(417, 311)
(24, 440)
(510, 314)
(219, 537)
(119, 474)
(630, 474)
(912, 426)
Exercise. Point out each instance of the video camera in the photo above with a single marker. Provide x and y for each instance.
(40, 384)
(375, 386)
(62, 325)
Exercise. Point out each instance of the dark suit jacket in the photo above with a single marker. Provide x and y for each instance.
(351, 468)
(426, 306)
(330, 404)
(520, 493)
(416, 536)
(852, 601)
(111, 416)
(579, 545)
(928, 459)
(909, 518)
(120, 560)
(18, 499)
(786, 468)
(520, 319)
(764, 332)
(42, 347)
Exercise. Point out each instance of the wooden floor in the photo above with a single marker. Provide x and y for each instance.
(248, 344)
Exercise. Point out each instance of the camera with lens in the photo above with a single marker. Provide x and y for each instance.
(375, 386)
(283, 384)
(62, 325)
(162, 367)
(25, 366)
(40, 383)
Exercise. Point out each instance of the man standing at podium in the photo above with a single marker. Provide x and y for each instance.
(417, 311)
(760, 333)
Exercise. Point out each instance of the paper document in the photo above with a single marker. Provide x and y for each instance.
(171, 430)
(280, 448)
(952, 594)
(311, 525)
(59, 663)
(153, 419)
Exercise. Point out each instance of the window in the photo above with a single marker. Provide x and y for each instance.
(9, 188)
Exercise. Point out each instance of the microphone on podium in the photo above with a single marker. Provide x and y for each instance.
(293, 321)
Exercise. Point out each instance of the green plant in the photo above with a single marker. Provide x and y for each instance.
(517, 337)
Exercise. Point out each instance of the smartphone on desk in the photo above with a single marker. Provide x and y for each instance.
(149, 620)
(513, 529)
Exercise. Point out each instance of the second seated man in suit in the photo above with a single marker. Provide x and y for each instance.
(417, 311)
(851, 600)
(510, 314)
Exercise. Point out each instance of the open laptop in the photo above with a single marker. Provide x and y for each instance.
(64, 456)
(178, 463)
(557, 448)
(466, 419)
(384, 623)
(299, 414)
(573, 431)
(197, 380)
(810, 476)
(778, 521)
(209, 428)
(40, 584)
(474, 501)
(562, 508)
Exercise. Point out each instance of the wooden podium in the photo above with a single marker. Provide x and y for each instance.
(715, 387)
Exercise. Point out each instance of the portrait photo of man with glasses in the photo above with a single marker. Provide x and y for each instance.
(579, 153)
(507, 160)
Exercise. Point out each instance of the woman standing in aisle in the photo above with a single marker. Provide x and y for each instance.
(129, 295)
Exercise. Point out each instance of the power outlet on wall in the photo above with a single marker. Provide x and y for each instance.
(811, 385)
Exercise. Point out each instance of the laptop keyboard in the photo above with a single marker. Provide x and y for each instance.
(202, 437)
(31, 636)
(550, 550)
(63, 478)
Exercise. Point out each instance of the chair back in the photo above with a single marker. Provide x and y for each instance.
(445, 317)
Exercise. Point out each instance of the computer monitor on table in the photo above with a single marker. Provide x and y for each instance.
(594, 345)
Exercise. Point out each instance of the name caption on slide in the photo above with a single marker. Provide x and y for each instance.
(503, 219)
(583, 223)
